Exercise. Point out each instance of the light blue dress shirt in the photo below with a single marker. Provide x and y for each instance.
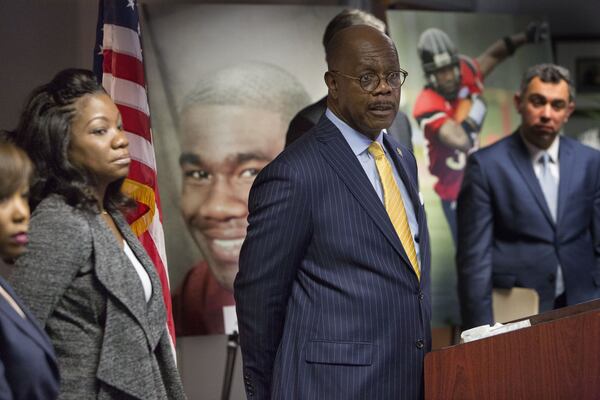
(359, 144)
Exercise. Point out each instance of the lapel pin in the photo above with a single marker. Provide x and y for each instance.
(399, 151)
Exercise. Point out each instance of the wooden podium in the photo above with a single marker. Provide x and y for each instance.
(558, 357)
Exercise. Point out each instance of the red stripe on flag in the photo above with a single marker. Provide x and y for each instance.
(142, 173)
(135, 121)
(150, 247)
(123, 66)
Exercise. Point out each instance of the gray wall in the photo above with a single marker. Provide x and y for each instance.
(567, 18)
(37, 39)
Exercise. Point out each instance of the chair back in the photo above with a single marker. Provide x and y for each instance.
(515, 303)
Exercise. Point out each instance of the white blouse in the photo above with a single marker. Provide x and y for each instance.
(139, 268)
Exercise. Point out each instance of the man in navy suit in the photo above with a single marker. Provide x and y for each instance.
(331, 304)
(529, 207)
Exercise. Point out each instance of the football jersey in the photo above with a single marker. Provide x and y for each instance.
(431, 111)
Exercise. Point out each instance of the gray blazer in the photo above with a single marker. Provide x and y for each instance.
(77, 281)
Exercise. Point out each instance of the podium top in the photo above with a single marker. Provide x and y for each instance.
(555, 358)
(563, 312)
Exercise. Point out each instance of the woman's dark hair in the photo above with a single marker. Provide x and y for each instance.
(44, 132)
(15, 169)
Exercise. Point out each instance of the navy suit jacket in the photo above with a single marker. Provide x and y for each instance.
(28, 369)
(506, 234)
(328, 304)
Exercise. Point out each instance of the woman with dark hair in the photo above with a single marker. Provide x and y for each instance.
(28, 369)
(85, 275)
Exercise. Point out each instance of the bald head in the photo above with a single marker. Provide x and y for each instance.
(351, 40)
(357, 58)
(350, 17)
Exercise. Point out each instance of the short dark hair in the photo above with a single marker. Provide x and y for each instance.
(15, 169)
(350, 17)
(44, 132)
(548, 73)
(253, 84)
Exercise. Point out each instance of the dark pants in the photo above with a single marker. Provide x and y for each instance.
(561, 301)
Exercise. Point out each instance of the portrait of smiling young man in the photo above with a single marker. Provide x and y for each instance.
(333, 292)
(233, 123)
(529, 207)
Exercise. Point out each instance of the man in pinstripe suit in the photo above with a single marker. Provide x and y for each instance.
(330, 304)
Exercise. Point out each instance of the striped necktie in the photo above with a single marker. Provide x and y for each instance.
(394, 205)
(548, 184)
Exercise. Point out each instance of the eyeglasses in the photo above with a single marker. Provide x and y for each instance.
(370, 81)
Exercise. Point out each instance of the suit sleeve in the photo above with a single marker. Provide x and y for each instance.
(474, 247)
(59, 246)
(5, 391)
(278, 235)
(596, 220)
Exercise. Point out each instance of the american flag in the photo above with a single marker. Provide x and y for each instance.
(118, 63)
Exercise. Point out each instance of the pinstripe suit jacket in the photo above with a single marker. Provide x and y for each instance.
(328, 305)
(110, 343)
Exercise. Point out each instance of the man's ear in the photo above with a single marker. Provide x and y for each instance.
(570, 109)
(517, 101)
(331, 83)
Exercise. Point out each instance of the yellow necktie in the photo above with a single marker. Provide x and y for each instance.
(394, 205)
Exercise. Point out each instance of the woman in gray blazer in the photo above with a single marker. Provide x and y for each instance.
(85, 276)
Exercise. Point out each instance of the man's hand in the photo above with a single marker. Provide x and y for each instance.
(537, 32)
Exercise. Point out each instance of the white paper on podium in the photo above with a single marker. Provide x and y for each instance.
(230, 318)
(484, 331)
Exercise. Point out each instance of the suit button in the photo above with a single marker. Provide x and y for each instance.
(551, 278)
(421, 296)
(420, 344)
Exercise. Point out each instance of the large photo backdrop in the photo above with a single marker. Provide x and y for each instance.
(472, 35)
(224, 83)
